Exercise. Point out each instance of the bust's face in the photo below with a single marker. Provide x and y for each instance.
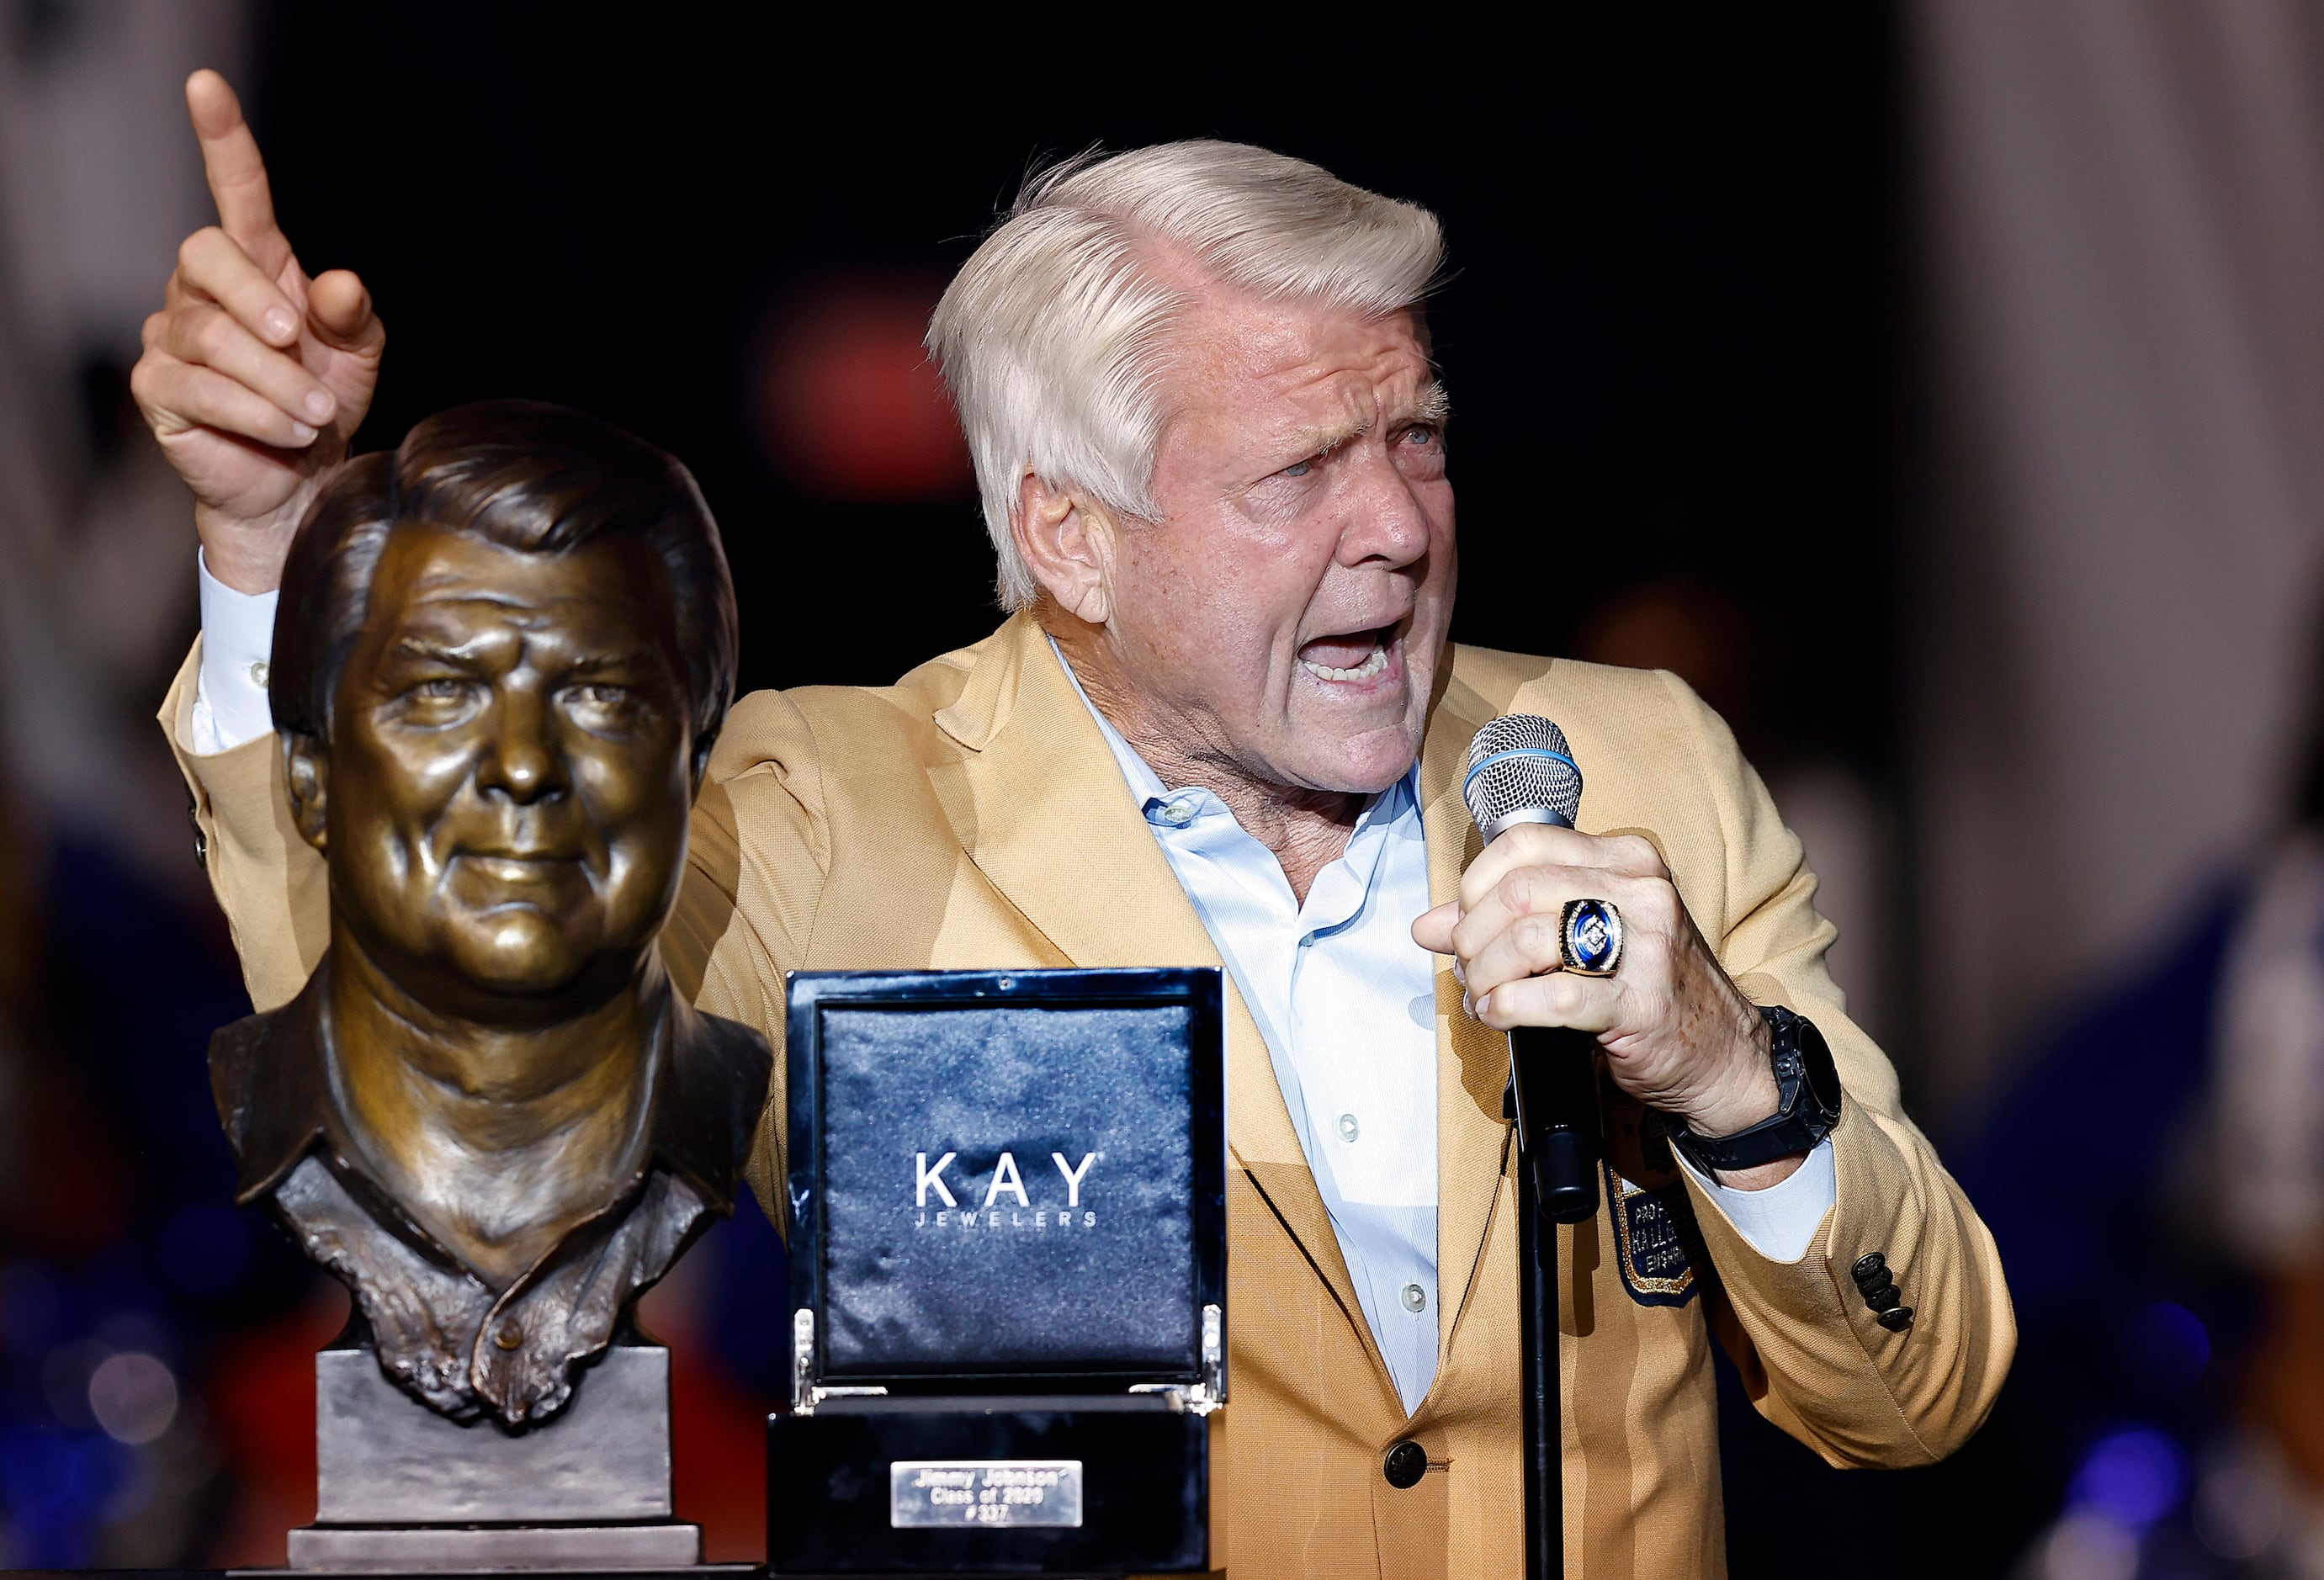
(509, 770)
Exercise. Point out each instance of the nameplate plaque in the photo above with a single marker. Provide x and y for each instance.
(984, 1492)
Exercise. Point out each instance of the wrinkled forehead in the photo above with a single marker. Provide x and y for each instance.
(1300, 363)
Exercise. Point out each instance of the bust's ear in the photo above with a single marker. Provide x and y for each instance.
(307, 772)
(1067, 539)
(702, 745)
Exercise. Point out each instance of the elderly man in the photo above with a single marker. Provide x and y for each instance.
(1223, 724)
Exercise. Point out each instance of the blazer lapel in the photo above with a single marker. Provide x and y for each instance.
(1050, 822)
(1472, 1058)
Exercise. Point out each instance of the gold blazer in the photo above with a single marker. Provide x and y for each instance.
(970, 815)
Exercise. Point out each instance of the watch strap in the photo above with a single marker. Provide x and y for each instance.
(1796, 1125)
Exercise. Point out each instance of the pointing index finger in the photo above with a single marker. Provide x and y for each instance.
(238, 175)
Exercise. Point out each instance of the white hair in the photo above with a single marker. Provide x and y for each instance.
(1051, 335)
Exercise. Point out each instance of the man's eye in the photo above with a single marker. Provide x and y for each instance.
(599, 697)
(440, 691)
(1300, 468)
(1420, 435)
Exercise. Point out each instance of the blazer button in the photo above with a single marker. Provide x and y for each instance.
(1896, 1321)
(1405, 1464)
(1869, 1271)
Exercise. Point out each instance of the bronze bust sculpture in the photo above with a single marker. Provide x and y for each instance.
(501, 655)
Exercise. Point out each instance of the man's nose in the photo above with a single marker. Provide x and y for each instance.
(522, 761)
(1387, 526)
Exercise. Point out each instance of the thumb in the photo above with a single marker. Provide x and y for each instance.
(1433, 929)
(339, 309)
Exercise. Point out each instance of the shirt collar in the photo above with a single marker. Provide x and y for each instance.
(268, 1077)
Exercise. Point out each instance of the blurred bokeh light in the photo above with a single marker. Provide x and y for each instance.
(851, 408)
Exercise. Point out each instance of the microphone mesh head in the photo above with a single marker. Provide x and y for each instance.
(1508, 771)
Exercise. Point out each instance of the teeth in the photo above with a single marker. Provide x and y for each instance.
(1372, 666)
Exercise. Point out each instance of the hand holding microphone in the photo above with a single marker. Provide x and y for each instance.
(1676, 1033)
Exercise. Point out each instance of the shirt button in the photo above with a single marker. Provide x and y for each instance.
(1179, 815)
(1415, 1298)
(258, 674)
(1348, 1127)
(511, 1334)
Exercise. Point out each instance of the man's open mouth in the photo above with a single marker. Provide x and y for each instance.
(1355, 656)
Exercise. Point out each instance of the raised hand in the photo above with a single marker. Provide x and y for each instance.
(254, 376)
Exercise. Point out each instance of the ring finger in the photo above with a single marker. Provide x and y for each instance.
(1525, 892)
(1502, 943)
(178, 397)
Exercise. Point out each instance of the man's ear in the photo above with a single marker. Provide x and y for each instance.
(1068, 540)
(307, 772)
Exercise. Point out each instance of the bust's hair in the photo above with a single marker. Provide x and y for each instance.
(1052, 336)
(527, 476)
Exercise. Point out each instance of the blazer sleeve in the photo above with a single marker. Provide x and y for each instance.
(1813, 1357)
(268, 880)
(746, 911)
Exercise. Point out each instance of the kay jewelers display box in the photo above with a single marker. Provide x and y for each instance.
(1008, 1272)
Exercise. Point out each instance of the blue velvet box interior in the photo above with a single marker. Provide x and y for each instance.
(1013, 1178)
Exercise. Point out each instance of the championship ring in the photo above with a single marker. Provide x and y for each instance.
(1590, 938)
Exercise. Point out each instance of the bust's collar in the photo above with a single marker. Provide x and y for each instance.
(268, 1076)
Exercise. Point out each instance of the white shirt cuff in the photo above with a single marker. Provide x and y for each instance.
(230, 704)
(1780, 1221)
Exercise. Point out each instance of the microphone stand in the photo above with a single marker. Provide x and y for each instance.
(1553, 1097)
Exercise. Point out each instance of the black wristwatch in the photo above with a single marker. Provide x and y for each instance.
(1807, 1086)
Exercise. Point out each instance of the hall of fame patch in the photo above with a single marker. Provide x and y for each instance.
(1649, 1242)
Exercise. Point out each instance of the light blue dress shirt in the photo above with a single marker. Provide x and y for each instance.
(1346, 1003)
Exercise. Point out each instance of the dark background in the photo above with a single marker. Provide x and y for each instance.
(1671, 326)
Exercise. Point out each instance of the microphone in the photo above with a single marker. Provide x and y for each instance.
(1520, 770)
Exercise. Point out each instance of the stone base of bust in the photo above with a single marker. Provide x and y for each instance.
(355, 1550)
(398, 1487)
